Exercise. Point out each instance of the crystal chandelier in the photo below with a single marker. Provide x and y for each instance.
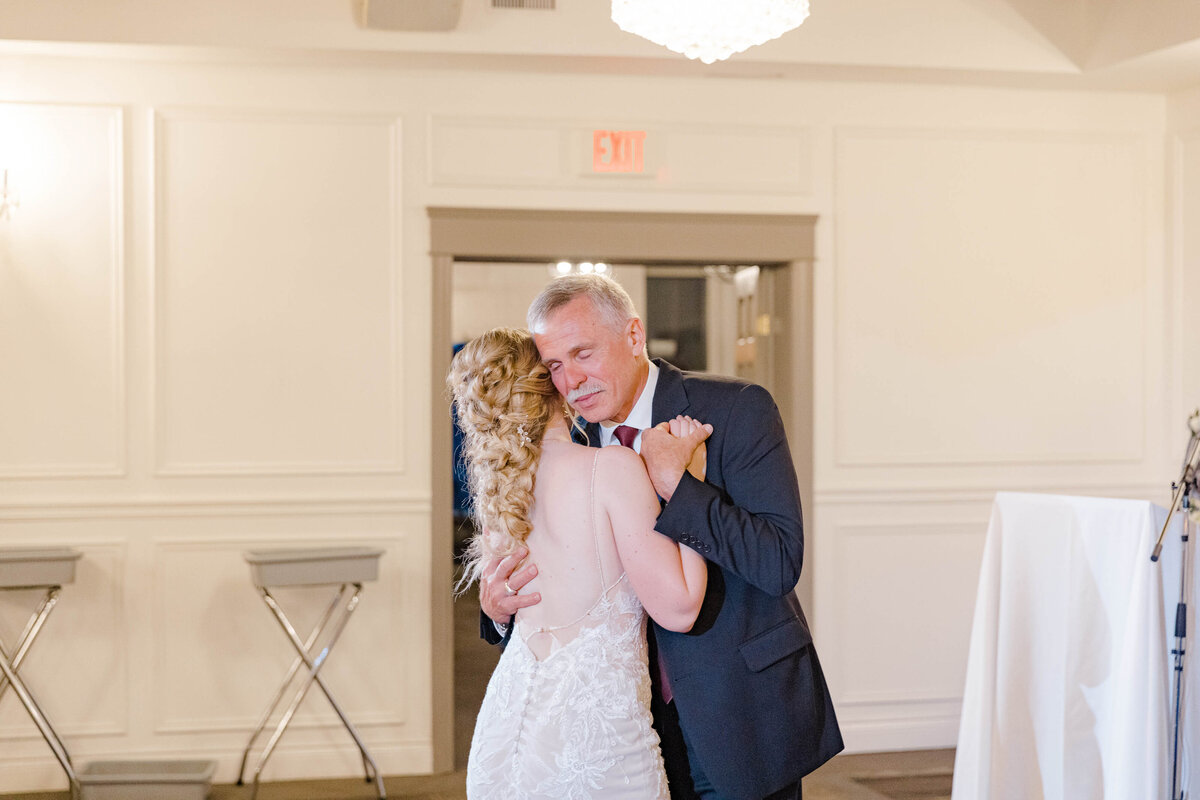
(710, 30)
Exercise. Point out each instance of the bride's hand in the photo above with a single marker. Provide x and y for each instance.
(683, 426)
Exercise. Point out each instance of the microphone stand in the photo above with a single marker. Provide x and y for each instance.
(1183, 488)
(1186, 478)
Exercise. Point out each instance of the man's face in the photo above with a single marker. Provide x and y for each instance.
(600, 371)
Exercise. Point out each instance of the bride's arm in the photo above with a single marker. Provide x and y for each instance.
(669, 578)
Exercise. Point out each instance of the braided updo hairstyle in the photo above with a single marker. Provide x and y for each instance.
(503, 398)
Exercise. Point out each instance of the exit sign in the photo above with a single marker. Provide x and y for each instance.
(619, 151)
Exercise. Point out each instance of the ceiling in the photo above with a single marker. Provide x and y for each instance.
(1141, 45)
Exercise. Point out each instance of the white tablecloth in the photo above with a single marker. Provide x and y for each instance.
(1070, 682)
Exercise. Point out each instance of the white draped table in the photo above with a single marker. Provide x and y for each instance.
(1069, 690)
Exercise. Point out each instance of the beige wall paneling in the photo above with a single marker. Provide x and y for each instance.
(213, 677)
(996, 303)
(528, 152)
(897, 589)
(277, 283)
(201, 686)
(1186, 283)
(77, 667)
(994, 300)
(62, 323)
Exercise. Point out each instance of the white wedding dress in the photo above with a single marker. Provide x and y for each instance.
(575, 723)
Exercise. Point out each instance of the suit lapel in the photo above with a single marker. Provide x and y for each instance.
(670, 397)
(590, 435)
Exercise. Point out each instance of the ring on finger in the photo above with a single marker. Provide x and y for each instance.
(510, 589)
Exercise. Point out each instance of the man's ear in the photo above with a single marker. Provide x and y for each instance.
(637, 336)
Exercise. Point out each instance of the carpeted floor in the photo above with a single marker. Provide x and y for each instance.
(914, 775)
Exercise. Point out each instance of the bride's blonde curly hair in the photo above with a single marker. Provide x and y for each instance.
(503, 398)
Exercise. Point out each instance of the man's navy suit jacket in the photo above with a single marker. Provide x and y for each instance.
(748, 688)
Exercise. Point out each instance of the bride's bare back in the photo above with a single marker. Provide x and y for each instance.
(593, 524)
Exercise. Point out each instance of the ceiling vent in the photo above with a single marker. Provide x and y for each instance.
(411, 15)
(547, 5)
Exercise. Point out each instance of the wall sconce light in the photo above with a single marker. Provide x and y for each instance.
(9, 200)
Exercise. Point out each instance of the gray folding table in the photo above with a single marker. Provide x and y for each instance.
(346, 568)
(46, 569)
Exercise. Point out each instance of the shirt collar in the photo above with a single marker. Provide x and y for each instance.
(642, 412)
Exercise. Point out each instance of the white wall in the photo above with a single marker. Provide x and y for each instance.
(1183, 177)
(223, 335)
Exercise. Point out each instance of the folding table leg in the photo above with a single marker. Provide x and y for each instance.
(39, 719)
(32, 628)
(314, 666)
(266, 717)
(369, 767)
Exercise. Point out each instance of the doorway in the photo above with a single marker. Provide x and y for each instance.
(726, 294)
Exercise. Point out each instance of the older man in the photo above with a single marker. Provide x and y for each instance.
(740, 701)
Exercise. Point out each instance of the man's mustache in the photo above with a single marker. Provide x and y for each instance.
(585, 389)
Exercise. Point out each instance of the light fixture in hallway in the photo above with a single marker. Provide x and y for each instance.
(583, 267)
(710, 30)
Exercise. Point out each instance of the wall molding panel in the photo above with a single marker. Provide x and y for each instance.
(897, 584)
(1044, 306)
(365, 670)
(78, 667)
(1185, 273)
(321, 374)
(63, 297)
(917, 565)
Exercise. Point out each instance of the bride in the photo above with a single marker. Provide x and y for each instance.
(567, 710)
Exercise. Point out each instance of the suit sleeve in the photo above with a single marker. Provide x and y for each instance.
(753, 526)
(488, 632)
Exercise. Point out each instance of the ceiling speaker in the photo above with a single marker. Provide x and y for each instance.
(411, 15)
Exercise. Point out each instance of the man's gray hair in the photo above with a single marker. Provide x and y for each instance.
(608, 297)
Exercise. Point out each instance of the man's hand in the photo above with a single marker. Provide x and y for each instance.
(672, 448)
(495, 598)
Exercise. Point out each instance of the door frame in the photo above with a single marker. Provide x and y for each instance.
(784, 241)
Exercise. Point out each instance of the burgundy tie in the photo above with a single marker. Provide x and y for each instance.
(625, 435)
